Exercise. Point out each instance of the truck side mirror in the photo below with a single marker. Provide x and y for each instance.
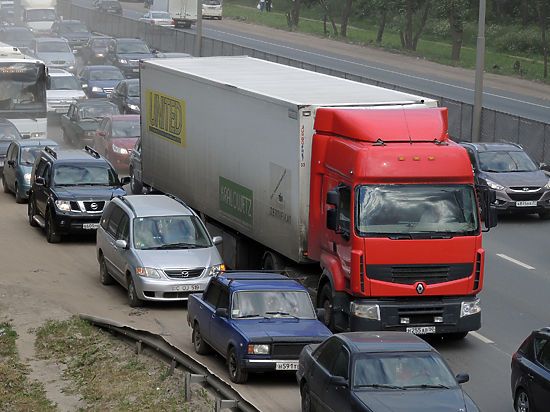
(333, 197)
(332, 219)
(491, 218)
(40, 181)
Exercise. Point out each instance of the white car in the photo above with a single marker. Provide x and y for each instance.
(63, 89)
(212, 9)
(160, 18)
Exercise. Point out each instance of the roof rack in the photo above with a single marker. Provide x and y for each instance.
(92, 152)
(125, 200)
(52, 152)
(177, 199)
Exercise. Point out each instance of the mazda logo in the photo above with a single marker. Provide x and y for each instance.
(184, 273)
(420, 288)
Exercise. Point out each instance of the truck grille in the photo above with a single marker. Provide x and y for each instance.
(526, 196)
(410, 274)
(287, 350)
(421, 315)
(183, 273)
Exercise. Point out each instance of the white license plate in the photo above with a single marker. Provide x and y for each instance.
(421, 330)
(526, 203)
(286, 366)
(185, 288)
(90, 225)
(135, 70)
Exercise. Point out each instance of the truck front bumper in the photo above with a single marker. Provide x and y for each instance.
(426, 316)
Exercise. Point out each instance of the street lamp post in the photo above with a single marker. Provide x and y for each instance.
(480, 64)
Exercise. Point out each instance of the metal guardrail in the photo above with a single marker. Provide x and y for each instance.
(533, 135)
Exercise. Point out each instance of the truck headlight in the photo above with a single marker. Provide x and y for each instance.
(123, 61)
(214, 270)
(133, 107)
(63, 205)
(148, 273)
(494, 185)
(365, 310)
(470, 308)
(96, 89)
(27, 177)
(262, 349)
(119, 150)
(37, 134)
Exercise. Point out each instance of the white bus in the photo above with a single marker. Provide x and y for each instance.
(23, 92)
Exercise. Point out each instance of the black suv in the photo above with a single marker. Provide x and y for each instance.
(518, 182)
(69, 190)
(126, 53)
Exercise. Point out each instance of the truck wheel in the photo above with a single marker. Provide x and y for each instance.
(133, 299)
(306, 398)
(104, 276)
(31, 212)
(135, 185)
(51, 235)
(236, 372)
(272, 261)
(201, 347)
(326, 303)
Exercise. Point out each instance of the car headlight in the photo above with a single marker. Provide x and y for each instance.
(89, 133)
(469, 308)
(262, 349)
(123, 61)
(99, 55)
(96, 89)
(148, 273)
(214, 270)
(63, 205)
(494, 185)
(120, 150)
(547, 185)
(71, 68)
(365, 310)
(134, 107)
(37, 134)
(27, 177)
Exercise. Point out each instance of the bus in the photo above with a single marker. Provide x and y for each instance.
(23, 92)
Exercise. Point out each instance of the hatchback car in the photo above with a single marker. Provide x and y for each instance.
(115, 137)
(74, 31)
(519, 184)
(379, 371)
(63, 89)
(155, 245)
(126, 96)
(16, 176)
(158, 18)
(99, 81)
(55, 52)
(530, 378)
(125, 54)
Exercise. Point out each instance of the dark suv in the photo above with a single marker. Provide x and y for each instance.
(69, 190)
(518, 182)
(126, 53)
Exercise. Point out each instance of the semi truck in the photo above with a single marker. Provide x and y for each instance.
(358, 184)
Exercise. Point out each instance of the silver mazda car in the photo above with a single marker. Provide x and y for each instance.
(156, 247)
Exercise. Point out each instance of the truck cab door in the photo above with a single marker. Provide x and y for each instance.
(342, 240)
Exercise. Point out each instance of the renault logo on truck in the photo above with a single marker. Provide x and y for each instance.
(420, 288)
(165, 116)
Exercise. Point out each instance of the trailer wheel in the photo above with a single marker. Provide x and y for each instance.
(326, 303)
(272, 261)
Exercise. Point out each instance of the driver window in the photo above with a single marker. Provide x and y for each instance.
(124, 228)
(327, 352)
(341, 364)
(344, 208)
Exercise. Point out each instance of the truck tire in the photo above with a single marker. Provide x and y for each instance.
(31, 212)
(51, 235)
(326, 302)
(135, 185)
(236, 372)
(201, 347)
(272, 261)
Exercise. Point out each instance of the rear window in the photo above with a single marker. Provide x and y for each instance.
(126, 128)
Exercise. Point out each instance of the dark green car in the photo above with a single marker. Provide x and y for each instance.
(81, 120)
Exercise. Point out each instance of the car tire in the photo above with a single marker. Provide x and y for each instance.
(18, 197)
(5, 185)
(326, 302)
(521, 401)
(236, 373)
(133, 299)
(51, 235)
(104, 276)
(31, 212)
(201, 347)
(135, 185)
(306, 398)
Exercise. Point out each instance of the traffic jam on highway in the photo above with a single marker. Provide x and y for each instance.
(363, 184)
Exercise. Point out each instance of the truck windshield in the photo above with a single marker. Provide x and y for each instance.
(416, 211)
(272, 303)
(22, 89)
(41, 15)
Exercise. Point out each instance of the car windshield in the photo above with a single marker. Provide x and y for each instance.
(133, 47)
(28, 154)
(504, 162)
(133, 89)
(211, 2)
(17, 34)
(84, 175)
(416, 211)
(160, 15)
(93, 112)
(401, 371)
(272, 303)
(64, 83)
(101, 42)
(9, 132)
(53, 47)
(170, 232)
(126, 128)
(106, 74)
(41, 15)
(74, 28)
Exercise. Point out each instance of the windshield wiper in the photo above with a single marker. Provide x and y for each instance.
(178, 246)
(255, 315)
(282, 314)
(425, 385)
(398, 236)
(381, 385)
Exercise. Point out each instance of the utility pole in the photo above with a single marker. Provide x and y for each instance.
(198, 34)
(480, 64)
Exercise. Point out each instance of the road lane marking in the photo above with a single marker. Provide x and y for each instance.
(481, 337)
(517, 262)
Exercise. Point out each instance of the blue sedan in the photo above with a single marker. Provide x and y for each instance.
(99, 81)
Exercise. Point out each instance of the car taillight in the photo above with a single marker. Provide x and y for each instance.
(152, 22)
(513, 359)
(173, 22)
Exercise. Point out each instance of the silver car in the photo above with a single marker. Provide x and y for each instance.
(55, 52)
(156, 247)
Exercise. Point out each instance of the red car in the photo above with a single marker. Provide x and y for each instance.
(115, 137)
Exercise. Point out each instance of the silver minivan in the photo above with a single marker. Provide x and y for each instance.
(156, 247)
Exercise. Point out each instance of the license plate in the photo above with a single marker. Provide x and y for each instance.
(421, 330)
(135, 70)
(185, 288)
(90, 225)
(526, 203)
(286, 366)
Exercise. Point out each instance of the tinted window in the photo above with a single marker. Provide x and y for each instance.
(341, 363)
(124, 228)
(126, 128)
(82, 175)
(106, 215)
(223, 301)
(64, 83)
(212, 293)
(114, 220)
(170, 232)
(107, 74)
(542, 351)
(326, 353)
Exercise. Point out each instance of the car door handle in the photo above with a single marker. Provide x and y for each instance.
(530, 376)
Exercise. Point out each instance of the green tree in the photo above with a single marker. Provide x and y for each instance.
(345, 18)
(456, 12)
(413, 12)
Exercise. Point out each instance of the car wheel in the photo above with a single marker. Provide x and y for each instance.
(135, 185)
(306, 398)
(201, 347)
(5, 185)
(545, 215)
(18, 197)
(236, 372)
(51, 235)
(327, 304)
(31, 212)
(104, 276)
(521, 402)
(133, 299)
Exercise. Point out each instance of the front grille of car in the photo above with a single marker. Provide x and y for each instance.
(420, 315)
(183, 273)
(410, 274)
(525, 188)
(88, 206)
(524, 196)
(134, 62)
(108, 90)
(287, 350)
(58, 61)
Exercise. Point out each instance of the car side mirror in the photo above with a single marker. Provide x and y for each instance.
(320, 312)
(102, 133)
(462, 378)
(338, 381)
(217, 240)
(121, 243)
(545, 167)
(222, 312)
(40, 181)
(125, 180)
